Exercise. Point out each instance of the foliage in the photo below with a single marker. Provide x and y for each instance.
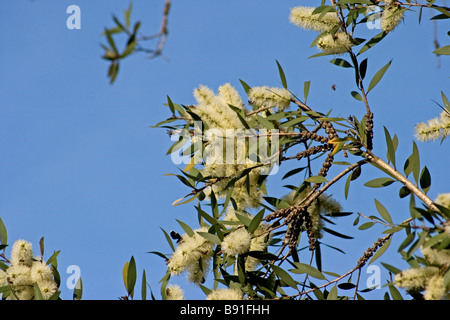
(250, 241)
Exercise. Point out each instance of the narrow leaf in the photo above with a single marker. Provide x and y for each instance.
(380, 251)
(390, 147)
(3, 233)
(379, 182)
(282, 76)
(377, 77)
(425, 179)
(383, 212)
(131, 276)
(256, 221)
(306, 87)
(284, 276)
(333, 294)
(310, 270)
(341, 63)
(186, 228)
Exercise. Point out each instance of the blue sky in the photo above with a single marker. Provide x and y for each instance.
(80, 166)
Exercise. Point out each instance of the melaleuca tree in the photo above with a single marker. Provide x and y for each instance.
(251, 243)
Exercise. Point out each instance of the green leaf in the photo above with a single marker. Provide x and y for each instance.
(309, 270)
(363, 69)
(37, 292)
(169, 239)
(306, 87)
(372, 42)
(412, 164)
(445, 101)
(379, 182)
(144, 286)
(266, 123)
(390, 268)
(186, 228)
(380, 251)
(442, 50)
(127, 14)
(41, 246)
(284, 276)
(356, 95)
(341, 63)
(246, 87)
(292, 172)
(425, 179)
(333, 294)
(293, 122)
(377, 77)
(346, 285)
(210, 237)
(131, 276)
(256, 221)
(111, 41)
(316, 179)
(390, 147)
(394, 292)
(78, 290)
(337, 234)
(366, 225)
(404, 192)
(383, 212)
(282, 75)
(3, 233)
(347, 186)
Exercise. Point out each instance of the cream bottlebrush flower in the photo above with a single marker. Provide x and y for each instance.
(303, 18)
(435, 288)
(434, 129)
(337, 43)
(229, 95)
(189, 251)
(415, 278)
(47, 288)
(225, 294)
(22, 253)
(196, 272)
(19, 275)
(391, 18)
(443, 199)
(22, 293)
(174, 292)
(270, 97)
(259, 242)
(437, 257)
(214, 110)
(40, 271)
(236, 242)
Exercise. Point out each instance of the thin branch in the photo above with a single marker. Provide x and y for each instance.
(398, 176)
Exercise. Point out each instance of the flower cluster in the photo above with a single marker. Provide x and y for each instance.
(266, 97)
(391, 17)
(428, 278)
(224, 294)
(193, 255)
(331, 40)
(225, 145)
(174, 292)
(25, 271)
(240, 241)
(435, 128)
